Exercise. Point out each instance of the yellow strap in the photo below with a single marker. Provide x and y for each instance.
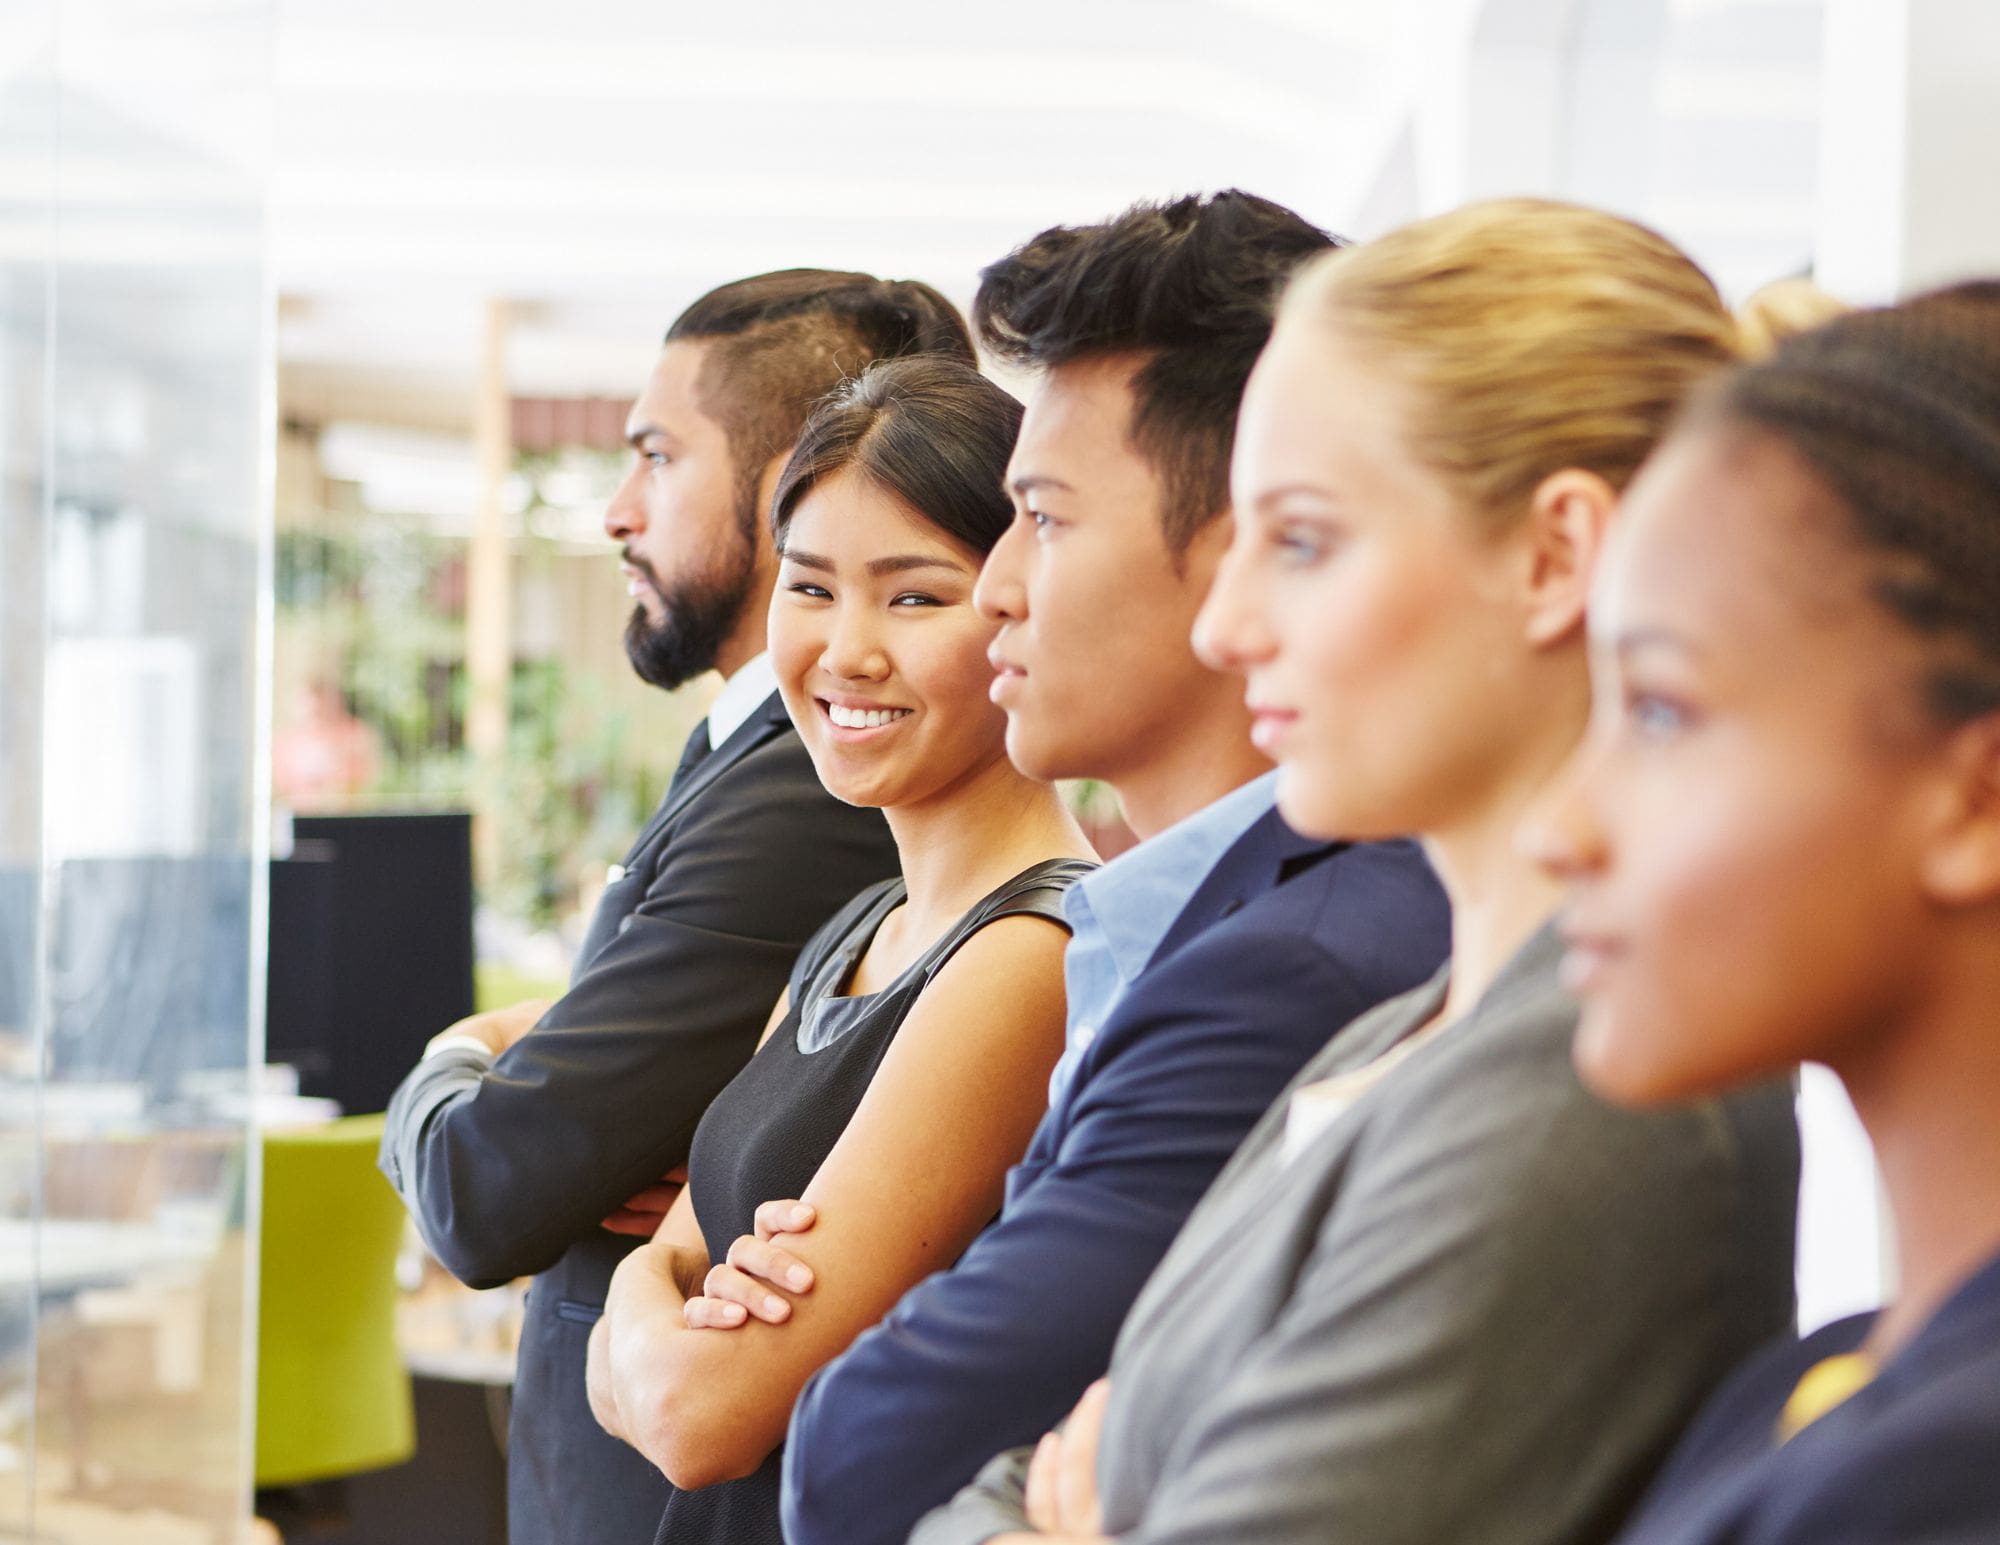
(1825, 1385)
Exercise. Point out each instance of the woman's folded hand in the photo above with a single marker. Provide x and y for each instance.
(759, 1279)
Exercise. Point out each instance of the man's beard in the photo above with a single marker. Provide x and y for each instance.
(701, 613)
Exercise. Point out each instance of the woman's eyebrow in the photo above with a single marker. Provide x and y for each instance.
(902, 563)
(1268, 497)
(905, 562)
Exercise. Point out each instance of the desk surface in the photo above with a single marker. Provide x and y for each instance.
(448, 1331)
(460, 1365)
(67, 1253)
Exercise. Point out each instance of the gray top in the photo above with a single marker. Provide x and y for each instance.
(1477, 1306)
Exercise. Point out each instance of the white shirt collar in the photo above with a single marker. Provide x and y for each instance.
(741, 696)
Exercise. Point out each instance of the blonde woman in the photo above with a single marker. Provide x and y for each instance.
(1442, 1293)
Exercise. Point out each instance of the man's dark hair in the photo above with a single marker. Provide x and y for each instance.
(932, 431)
(781, 341)
(778, 342)
(1192, 285)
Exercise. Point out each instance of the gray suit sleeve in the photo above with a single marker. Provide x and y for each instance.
(1499, 1329)
(453, 1074)
(993, 1502)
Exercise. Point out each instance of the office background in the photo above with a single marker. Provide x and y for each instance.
(317, 324)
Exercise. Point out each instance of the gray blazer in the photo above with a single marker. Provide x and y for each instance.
(1478, 1307)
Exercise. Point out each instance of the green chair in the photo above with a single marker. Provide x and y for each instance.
(333, 1397)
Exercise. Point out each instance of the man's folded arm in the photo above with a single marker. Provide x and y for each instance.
(994, 1352)
(505, 1163)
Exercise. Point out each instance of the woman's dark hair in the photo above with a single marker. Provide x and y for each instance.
(1192, 285)
(931, 430)
(778, 342)
(1897, 411)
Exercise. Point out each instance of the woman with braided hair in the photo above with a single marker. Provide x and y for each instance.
(1783, 845)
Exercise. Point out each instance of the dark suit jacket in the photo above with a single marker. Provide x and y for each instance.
(1282, 944)
(1912, 1459)
(509, 1166)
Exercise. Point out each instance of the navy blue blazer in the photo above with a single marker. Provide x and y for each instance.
(1284, 942)
(1912, 1459)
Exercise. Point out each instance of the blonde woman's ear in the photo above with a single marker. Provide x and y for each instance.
(1567, 522)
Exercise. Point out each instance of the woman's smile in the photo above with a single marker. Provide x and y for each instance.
(853, 719)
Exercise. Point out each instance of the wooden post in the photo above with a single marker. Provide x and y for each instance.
(489, 598)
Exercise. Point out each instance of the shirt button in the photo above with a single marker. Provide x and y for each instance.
(1085, 1034)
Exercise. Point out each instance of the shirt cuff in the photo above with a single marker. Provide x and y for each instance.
(457, 1041)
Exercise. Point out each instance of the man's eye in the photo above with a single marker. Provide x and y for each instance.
(1042, 523)
(655, 458)
(815, 592)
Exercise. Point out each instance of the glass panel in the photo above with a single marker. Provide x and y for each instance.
(133, 339)
(27, 219)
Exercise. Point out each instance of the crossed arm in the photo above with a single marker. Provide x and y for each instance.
(994, 1352)
(914, 1177)
(541, 1121)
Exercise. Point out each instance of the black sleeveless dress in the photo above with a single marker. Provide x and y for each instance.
(768, 1132)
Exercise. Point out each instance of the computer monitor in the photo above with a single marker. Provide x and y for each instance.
(393, 896)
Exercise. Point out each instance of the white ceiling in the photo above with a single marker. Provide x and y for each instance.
(608, 160)
(601, 162)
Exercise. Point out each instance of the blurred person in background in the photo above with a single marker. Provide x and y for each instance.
(520, 1138)
(1442, 1292)
(1208, 963)
(1783, 846)
(907, 1063)
(322, 756)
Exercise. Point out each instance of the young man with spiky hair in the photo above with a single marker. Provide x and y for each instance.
(533, 1139)
(1207, 965)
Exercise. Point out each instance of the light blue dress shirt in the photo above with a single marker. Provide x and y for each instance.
(1119, 914)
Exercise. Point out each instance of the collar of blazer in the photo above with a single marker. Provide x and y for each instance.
(1526, 997)
(763, 726)
(1266, 855)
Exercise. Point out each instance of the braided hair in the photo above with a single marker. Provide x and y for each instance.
(1897, 411)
